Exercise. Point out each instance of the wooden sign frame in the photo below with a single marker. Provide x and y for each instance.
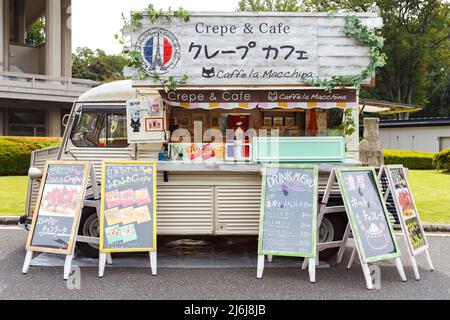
(79, 207)
(104, 252)
(390, 190)
(351, 216)
(310, 255)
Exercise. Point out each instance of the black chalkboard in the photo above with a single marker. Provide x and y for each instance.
(58, 208)
(288, 211)
(128, 207)
(367, 213)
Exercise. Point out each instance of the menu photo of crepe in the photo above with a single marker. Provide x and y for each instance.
(112, 198)
(113, 216)
(127, 215)
(113, 234)
(127, 197)
(405, 200)
(59, 199)
(142, 214)
(142, 197)
(128, 233)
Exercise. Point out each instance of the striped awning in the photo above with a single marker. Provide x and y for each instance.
(263, 105)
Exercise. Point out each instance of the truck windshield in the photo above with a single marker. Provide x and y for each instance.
(100, 127)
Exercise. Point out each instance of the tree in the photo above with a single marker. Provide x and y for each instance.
(36, 33)
(269, 5)
(417, 34)
(97, 65)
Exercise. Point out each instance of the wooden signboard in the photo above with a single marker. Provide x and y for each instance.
(407, 213)
(58, 208)
(250, 48)
(288, 214)
(128, 209)
(368, 216)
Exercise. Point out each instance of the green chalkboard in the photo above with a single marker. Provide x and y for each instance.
(288, 211)
(368, 215)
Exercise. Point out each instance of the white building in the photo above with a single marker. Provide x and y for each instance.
(427, 134)
(36, 84)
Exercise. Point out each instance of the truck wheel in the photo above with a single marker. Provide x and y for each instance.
(332, 229)
(90, 227)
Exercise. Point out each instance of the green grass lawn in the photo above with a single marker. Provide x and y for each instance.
(13, 195)
(431, 191)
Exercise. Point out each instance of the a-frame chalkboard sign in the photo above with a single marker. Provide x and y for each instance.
(369, 219)
(408, 215)
(58, 208)
(128, 210)
(288, 214)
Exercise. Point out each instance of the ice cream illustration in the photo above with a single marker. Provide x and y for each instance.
(284, 189)
(375, 237)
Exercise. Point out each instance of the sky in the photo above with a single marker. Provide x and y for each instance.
(94, 22)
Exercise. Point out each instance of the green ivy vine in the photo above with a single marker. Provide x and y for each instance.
(170, 83)
(363, 35)
(348, 126)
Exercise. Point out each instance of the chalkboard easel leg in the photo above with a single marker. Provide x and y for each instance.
(67, 266)
(352, 258)
(269, 259)
(260, 267)
(312, 270)
(399, 265)
(153, 263)
(430, 263)
(367, 276)
(414, 265)
(343, 246)
(305, 263)
(109, 258)
(27, 262)
(101, 264)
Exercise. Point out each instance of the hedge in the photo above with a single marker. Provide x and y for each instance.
(416, 160)
(15, 153)
(442, 160)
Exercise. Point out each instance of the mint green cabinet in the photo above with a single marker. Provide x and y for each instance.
(298, 149)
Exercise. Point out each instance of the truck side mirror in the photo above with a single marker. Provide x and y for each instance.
(65, 120)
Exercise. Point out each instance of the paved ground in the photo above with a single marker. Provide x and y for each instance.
(216, 283)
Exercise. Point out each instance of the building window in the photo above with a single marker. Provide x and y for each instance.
(27, 123)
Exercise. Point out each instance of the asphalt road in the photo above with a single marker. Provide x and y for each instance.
(231, 283)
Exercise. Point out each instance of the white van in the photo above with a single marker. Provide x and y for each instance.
(192, 200)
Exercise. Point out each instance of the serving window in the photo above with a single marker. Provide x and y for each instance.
(276, 122)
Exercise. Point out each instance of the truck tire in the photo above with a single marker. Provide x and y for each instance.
(90, 227)
(332, 229)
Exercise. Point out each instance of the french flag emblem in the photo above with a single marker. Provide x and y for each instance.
(158, 51)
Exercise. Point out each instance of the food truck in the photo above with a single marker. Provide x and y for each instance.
(247, 101)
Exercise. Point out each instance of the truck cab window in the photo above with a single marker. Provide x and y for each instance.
(100, 128)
